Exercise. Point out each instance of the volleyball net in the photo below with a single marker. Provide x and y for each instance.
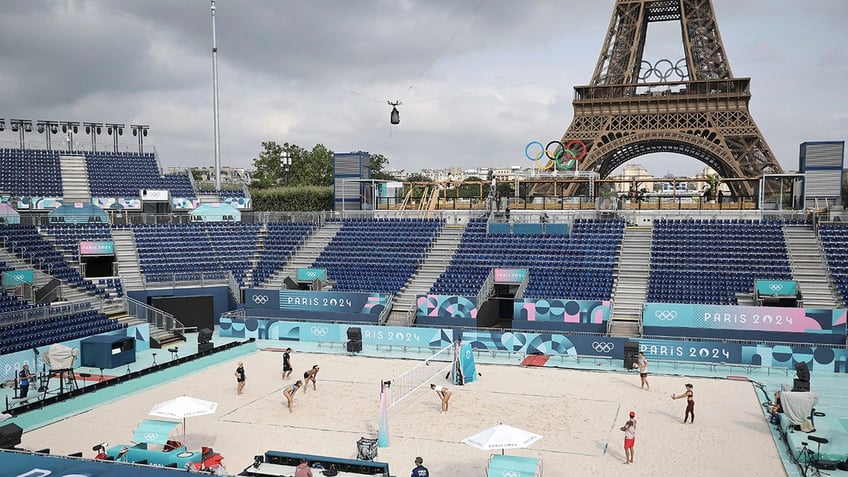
(402, 386)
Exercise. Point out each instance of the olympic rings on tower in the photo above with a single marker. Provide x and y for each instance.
(573, 151)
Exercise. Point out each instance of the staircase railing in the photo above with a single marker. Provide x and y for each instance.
(233, 284)
(154, 316)
(486, 289)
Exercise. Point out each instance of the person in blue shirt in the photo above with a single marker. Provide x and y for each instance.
(23, 380)
(420, 470)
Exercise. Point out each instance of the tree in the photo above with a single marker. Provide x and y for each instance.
(269, 171)
(313, 167)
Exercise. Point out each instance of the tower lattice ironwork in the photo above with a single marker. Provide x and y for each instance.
(692, 106)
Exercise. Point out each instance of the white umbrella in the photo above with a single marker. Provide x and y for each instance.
(183, 407)
(502, 437)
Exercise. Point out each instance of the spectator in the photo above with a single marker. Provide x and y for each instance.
(303, 469)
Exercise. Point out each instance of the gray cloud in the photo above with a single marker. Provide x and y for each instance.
(320, 72)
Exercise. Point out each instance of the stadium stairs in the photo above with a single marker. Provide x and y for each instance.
(126, 256)
(74, 179)
(436, 262)
(809, 268)
(67, 292)
(631, 286)
(305, 255)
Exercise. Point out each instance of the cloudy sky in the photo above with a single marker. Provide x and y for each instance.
(478, 78)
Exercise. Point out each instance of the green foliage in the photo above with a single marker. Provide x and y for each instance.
(313, 167)
(302, 198)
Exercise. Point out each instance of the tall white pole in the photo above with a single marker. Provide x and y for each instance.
(215, 103)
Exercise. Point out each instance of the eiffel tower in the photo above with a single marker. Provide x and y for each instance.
(693, 106)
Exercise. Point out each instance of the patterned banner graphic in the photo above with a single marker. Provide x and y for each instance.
(446, 306)
(749, 318)
(562, 311)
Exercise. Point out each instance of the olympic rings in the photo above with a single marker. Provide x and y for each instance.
(561, 157)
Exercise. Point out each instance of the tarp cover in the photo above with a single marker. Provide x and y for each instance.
(153, 431)
(798, 406)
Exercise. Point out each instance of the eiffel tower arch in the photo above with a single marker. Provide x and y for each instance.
(692, 106)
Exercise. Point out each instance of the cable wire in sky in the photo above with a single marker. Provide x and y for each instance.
(445, 47)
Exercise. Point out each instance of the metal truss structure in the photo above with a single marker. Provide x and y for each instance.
(693, 106)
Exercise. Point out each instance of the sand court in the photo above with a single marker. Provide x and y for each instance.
(578, 413)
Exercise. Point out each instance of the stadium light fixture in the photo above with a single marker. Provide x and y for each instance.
(140, 130)
(70, 128)
(285, 163)
(115, 130)
(48, 128)
(93, 129)
(21, 126)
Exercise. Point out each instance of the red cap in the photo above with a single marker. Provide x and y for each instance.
(632, 413)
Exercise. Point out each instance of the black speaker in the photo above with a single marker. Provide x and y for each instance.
(354, 334)
(205, 347)
(354, 346)
(631, 354)
(10, 435)
(204, 336)
(802, 371)
(800, 386)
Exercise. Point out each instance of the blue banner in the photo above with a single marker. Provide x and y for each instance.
(740, 321)
(310, 274)
(333, 332)
(18, 464)
(699, 351)
(320, 301)
(777, 287)
(466, 364)
(18, 277)
(548, 343)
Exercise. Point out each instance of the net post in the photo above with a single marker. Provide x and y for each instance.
(383, 432)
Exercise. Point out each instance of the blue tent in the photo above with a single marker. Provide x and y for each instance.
(216, 213)
(78, 213)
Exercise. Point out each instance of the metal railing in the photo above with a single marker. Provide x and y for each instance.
(235, 289)
(154, 316)
(486, 289)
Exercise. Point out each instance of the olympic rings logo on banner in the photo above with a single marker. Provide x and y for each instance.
(561, 157)
(665, 315)
(260, 299)
(319, 330)
(602, 346)
(510, 473)
(151, 436)
(776, 287)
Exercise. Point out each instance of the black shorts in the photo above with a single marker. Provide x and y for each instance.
(287, 367)
(644, 375)
(306, 375)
